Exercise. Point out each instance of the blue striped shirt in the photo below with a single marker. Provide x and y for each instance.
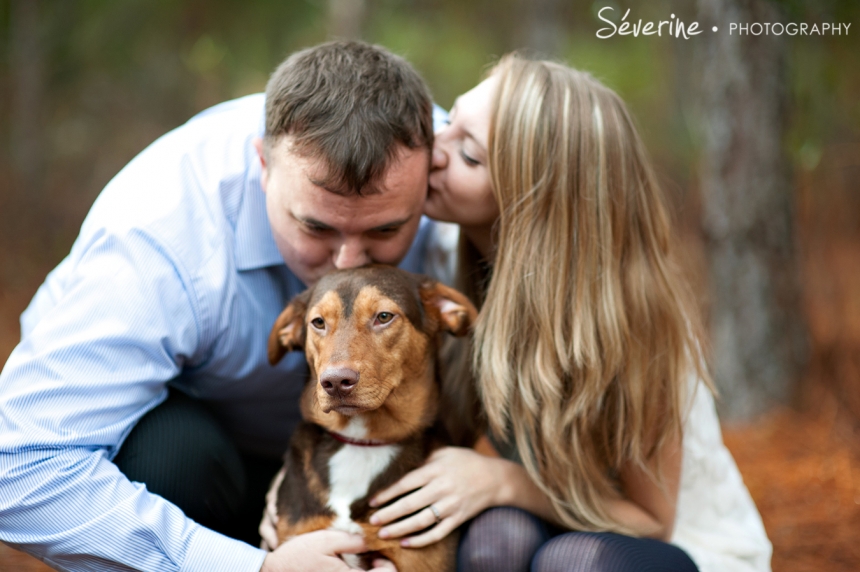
(175, 280)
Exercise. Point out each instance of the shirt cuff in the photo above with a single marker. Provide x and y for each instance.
(210, 551)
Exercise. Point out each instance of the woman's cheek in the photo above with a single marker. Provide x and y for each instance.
(441, 204)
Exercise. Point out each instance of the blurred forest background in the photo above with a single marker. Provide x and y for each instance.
(87, 84)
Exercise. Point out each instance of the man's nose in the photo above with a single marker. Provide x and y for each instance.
(351, 254)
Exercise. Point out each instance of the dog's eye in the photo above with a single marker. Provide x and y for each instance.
(384, 317)
(318, 323)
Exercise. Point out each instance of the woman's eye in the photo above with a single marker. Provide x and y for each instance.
(318, 323)
(384, 317)
(469, 160)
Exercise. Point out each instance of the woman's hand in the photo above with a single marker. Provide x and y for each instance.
(318, 552)
(459, 483)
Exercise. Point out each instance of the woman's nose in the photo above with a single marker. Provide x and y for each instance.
(440, 158)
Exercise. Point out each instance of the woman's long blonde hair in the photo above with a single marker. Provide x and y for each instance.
(588, 335)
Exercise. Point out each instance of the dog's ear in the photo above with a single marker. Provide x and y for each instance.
(288, 333)
(456, 312)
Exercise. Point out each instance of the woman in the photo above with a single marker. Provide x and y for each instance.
(585, 354)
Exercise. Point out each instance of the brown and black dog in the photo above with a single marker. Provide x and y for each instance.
(372, 337)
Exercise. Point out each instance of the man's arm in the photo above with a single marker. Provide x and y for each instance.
(94, 359)
(76, 511)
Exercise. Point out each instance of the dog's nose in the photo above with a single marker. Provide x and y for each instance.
(338, 380)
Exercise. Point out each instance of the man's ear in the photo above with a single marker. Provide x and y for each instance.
(261, 153)
(288, 333)
(456, 312)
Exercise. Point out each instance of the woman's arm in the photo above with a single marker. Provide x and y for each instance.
(650, 508)
(461, 483)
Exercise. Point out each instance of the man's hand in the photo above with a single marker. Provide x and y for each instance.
(269, 524)
(318, 552)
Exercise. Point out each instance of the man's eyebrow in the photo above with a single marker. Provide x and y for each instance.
(310, 221)
(392, 224)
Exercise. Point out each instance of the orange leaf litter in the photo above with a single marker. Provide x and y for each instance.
(803, 471)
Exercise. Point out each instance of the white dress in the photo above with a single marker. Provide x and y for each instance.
(717, 523)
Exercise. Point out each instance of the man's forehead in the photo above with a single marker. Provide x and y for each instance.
(400, 195)
(406, 168)
(310, 166)
(333, 186)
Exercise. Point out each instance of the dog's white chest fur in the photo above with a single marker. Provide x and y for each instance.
(351, 470)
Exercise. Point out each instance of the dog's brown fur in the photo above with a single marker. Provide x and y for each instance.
(342, 323)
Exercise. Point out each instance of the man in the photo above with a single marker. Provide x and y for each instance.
(174, 282)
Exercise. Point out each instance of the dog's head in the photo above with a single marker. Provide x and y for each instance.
(370, 336)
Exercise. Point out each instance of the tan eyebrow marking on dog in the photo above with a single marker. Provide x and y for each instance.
(370, 300)
(330, 309)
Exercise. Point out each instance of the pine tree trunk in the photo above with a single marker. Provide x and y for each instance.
(758, 333)
(27, 70)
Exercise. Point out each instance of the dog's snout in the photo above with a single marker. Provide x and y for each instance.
(338, 380)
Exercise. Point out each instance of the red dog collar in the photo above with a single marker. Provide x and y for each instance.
(358, 442)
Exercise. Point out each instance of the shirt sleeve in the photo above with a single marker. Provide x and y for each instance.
(122, 321)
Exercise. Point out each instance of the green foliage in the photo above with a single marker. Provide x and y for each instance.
(116, 74)
(451, 54)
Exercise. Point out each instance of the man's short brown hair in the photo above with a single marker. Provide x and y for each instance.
(351, 105)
